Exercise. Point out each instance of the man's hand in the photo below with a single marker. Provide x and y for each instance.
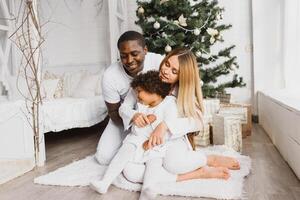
(141, 120)
(113, 112)
(157, 136)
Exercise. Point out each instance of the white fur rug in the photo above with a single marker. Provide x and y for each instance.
(80, 173)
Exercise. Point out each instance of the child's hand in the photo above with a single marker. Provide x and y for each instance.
(140, 120)
(145, 145)
(157, 136)
(151, 118)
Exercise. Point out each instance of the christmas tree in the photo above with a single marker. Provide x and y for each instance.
(194, 24)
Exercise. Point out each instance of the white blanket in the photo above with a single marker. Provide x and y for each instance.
(81, 172)
(67, 113)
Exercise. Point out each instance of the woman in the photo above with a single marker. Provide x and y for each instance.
(180, 69)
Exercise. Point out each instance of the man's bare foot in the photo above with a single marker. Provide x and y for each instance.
(212, 172)
(223, 161)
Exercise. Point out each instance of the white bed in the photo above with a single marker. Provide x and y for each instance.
(16, 136)
(67, 113)
(279, 115)
(72, 98)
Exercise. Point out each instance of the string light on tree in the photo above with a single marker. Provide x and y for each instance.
(164, 35)
(195, 14)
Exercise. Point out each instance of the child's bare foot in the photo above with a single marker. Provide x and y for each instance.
(212, 172)
(223, 161)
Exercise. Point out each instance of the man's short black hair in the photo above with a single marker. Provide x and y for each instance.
(132, 35)
(151, 83)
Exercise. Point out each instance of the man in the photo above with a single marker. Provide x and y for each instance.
(134, 58)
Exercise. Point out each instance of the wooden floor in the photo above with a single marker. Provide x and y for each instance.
(271, 177)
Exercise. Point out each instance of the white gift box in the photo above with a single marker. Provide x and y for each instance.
(246, 128)
(227, 130)
(238, 112)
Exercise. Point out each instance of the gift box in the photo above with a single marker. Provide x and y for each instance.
(246, 125)
(227, 130)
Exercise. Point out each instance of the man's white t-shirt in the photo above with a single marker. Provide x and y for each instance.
(116, 82)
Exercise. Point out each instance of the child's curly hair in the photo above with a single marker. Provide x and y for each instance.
(150, 82)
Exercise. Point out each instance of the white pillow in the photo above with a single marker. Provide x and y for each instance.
(59, 91)
(86, 86)
(71, 81)
(49, 88)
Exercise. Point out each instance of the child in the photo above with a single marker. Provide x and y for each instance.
(153, 101)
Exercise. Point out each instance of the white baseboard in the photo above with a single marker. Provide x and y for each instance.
(11, 169)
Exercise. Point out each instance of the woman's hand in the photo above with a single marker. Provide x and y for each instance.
(157, 136)
(140, 120)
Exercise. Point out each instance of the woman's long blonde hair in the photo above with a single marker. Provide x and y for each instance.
(190, 98)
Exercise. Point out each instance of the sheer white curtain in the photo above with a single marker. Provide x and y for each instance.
(291, 44)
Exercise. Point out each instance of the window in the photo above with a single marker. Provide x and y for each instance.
(291, 44)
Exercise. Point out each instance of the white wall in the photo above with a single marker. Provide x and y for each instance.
(132, 7)
(267, 43)
(77, 33)
(237, 13)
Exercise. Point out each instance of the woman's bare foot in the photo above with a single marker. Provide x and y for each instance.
(212, 172)
(223, 161)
